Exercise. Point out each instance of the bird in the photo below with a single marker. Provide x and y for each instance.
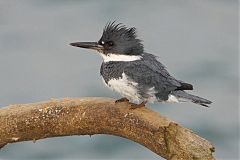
(139, 77)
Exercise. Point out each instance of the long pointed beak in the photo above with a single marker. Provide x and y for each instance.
(88, 45)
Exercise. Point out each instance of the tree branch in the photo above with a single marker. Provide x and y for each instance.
(88, 116)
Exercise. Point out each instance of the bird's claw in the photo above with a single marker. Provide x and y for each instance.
(122, 100)
(134, 106)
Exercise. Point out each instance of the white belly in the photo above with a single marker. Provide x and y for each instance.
(125, 87)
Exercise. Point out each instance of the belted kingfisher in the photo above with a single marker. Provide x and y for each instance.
(138, 76)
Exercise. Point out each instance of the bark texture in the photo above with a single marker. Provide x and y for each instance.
(88, 116)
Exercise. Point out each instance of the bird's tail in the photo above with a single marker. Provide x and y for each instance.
(183, 96)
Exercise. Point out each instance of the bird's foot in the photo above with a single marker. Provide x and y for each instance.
(124, 99)
(134, 106)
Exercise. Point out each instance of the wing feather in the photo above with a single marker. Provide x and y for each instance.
(149, 73)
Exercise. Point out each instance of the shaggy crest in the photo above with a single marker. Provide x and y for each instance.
(120, 30)
(125, 39)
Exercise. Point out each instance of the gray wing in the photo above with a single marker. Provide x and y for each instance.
(148, 73)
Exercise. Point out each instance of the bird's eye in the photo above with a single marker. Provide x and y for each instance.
(110, 43)
(101, 42)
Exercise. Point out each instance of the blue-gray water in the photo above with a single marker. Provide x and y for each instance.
(196, 40)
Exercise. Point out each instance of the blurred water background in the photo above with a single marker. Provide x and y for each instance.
(196, 40)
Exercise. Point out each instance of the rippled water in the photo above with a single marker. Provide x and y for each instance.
(196, 40)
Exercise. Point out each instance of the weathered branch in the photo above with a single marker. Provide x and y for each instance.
(88, 116)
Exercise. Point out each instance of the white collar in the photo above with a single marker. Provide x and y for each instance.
(120, 57)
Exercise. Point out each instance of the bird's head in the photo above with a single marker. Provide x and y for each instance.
(116, 39)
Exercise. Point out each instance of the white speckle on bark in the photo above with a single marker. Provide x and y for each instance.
(83, 114)
(15, 138)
